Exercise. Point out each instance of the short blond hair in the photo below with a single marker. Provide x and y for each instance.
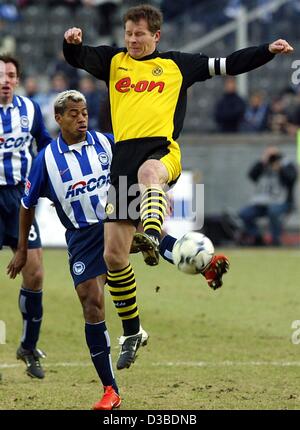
(62, 99)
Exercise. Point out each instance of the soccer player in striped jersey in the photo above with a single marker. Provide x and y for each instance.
(148, 93)
(74, 173)
(22, 134)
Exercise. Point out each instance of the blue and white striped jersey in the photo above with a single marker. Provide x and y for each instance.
(75, 178)
(22, 134)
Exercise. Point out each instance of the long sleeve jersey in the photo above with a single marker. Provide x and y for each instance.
(148, 96)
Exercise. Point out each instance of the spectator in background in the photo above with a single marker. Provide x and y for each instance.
(293, 120)
(60, 66)
(32, 91)
(257, 114)
(106, 10)
(59, 83)
(230, 109)
(275, 177)
(8, 15)
(278, 116)
(96, 99)
(71, 3)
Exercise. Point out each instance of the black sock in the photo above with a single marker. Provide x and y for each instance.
(30, 304)
(97, 339)
(166, 248)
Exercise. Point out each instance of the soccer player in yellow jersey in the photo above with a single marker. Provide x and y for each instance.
(148, 92)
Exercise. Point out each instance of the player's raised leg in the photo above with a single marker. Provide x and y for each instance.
(213, 273)
(153, 176)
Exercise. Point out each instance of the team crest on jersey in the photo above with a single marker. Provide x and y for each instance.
(109, 209)
(78, 268)
(157, 71)
(27, 187)
(103, 158)
(24, 121)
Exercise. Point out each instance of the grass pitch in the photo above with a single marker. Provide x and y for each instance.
(226, 349)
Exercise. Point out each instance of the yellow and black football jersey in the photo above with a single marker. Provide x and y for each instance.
(148, 103)
(148, 96)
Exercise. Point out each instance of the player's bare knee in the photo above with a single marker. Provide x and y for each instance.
(114, 258)
(93, 310)
(148, 175)
(33, 279)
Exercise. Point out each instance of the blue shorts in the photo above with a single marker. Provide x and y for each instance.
(10, 201)
(85, 249)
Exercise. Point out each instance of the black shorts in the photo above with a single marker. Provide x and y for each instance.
(124, 195)
(10, 201)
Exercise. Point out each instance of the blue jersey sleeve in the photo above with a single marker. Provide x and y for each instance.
(36, 182)
(39, 131)
(110, 138)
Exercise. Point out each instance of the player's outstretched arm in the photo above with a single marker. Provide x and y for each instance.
(280, 46)
(19, 259)
(94, 60)
(73, 36)
(247, 59)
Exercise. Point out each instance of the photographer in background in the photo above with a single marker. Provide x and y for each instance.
(275, 178)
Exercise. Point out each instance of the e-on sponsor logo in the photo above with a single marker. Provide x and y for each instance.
(81, 187)
(124, 85)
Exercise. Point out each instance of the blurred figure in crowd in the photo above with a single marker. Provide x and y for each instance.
(278, 116)
(106, 10)
(257, 114)
(8, 16)
(87, 86)
(59, 83)
(59, 65)
(293, 120)
(33, 92)
(230, 109)
(275, 177)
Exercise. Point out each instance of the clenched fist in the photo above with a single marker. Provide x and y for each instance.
(280, 46)
(73, 35)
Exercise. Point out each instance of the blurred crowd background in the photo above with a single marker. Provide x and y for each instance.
(33, 30)
(225, 129)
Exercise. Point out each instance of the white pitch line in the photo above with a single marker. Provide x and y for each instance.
(63, 364)
(227, 363)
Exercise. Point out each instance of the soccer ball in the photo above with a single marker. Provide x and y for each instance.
(193, 252)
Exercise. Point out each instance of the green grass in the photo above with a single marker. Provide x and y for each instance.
(226, 349)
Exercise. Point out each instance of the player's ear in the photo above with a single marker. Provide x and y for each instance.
(157, 36)
(57, 117)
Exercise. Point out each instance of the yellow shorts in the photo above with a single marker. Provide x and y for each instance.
(128, 156)
(172, 161)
